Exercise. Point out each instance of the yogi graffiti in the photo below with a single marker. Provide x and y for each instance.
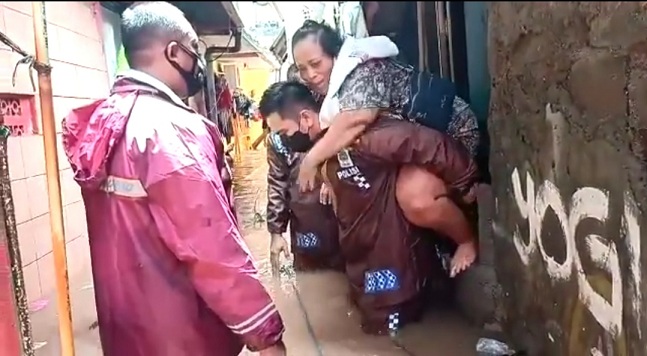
(585, 203)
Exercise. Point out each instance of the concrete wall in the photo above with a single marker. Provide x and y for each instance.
(567, 123)
(78, 76)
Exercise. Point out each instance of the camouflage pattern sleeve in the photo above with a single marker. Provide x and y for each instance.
(464, 126)
(367, 87)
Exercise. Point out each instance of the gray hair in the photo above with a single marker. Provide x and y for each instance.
(145, 22)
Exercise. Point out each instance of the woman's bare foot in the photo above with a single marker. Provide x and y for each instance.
(463, 258)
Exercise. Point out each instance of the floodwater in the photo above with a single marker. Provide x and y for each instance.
(315, 306)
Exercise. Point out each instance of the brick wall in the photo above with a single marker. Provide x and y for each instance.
(78, 76)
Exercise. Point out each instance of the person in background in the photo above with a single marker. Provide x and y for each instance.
(172, 274)
(376, 85)
(313, 226)
(226, 109)
(292, 75)
(243, 105)
(386, 263)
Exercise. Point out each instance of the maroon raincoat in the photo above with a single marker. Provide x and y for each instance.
(172, 274)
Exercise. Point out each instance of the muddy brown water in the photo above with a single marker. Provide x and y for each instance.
(315, 307)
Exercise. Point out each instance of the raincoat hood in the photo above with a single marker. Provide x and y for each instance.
(91, 132)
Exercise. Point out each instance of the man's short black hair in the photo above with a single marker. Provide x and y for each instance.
(284, 97)
(145, 22)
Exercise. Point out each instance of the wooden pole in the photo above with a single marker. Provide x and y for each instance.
(422, 35)
(441, 26)
(65, 327)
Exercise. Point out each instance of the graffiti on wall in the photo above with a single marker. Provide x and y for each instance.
(585, 203)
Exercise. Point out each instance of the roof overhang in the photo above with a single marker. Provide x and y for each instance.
(280, 46)
(209, 18)
(249, 50)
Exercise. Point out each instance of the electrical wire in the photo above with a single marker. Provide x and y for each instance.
(28, 59)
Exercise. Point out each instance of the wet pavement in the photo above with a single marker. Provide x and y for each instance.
(315, 306)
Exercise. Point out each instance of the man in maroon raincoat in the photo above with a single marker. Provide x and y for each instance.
(173, 276)
(386, 262)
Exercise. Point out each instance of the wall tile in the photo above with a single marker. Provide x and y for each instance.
(78, 255)
(15, 158)
(23, 85)
(22, 7)
(42, 235)
(37, 192)
(33, 152)
(56, 45)
(20, 200)
(64, 79)
(46, 274)
(75, 220)
(20, 28)
(26, 242)
(70, 190)
(63, 163)
(32, 282)
(2, 25)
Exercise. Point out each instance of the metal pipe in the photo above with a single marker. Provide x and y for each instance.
(210, 92)
(441, 28)
(65, 326)
(422, 36)
(450, 39)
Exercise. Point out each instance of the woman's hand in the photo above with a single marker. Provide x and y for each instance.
(307, 175)
(276, 350)
(278, 245)
(325, 194)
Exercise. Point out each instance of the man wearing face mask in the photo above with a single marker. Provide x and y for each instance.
(386, 260)
(172, 273)
(313, 227)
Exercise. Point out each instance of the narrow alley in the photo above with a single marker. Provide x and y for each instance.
(558, 89)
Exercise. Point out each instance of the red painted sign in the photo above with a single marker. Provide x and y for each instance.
(9, 334)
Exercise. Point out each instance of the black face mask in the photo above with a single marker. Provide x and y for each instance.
(298, 142)
(194, 78)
